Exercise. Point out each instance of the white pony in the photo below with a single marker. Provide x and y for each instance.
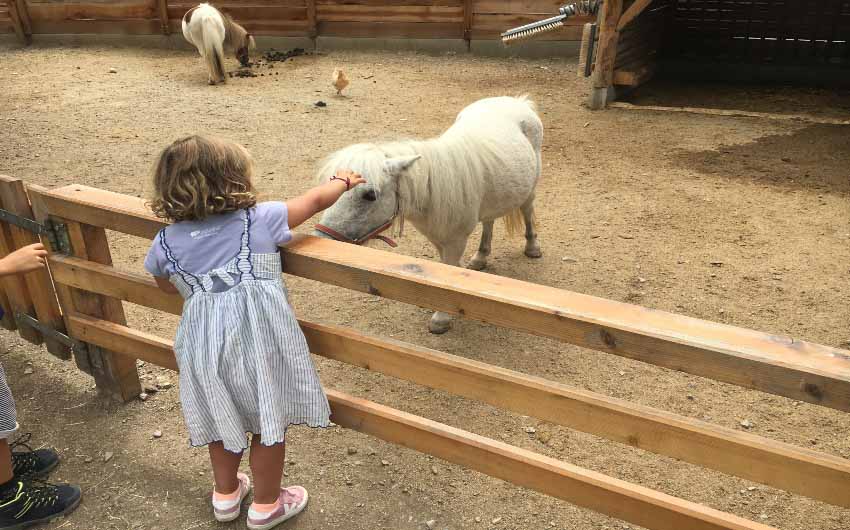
(483, 167)
(209, 30)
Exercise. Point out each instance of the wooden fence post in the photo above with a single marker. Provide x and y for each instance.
(20, 20)
(8, 320)
(39, 284)
(312, 21)
(468, 7)
(16, 290)
(603, 74)
(162, 8)
(114, 374)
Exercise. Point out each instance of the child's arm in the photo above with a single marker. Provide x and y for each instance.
(321, 197)
(26, 259)
(165, 285)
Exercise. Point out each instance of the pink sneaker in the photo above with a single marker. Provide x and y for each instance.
(228, 507)
(290, 503)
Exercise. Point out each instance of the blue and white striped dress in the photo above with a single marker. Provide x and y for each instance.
(244, 362)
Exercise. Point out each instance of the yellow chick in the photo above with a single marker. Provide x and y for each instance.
(339, 80)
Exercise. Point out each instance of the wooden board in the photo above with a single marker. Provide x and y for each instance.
(775, 364)
(780, 365)
(343, 13)
(8, 319)
(13, 197)
(55, 12)
(81, 27)
(752, 457)
(248, 14)
(114, 374)
(409, 30)
(16, 289)
(588, 489)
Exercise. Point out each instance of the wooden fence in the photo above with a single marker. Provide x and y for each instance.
(426, 19)
(81, 309)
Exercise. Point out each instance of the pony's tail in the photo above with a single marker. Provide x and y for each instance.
(214, 56)
(513, 222)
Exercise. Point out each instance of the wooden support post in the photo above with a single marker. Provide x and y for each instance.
(8, 320)
(468, 13)
(16, 289)
(603, 73)
(162, 8)
(63, 292)
(312, 21)
(114, 374)
(20, 22)
(632, 13)
(24, 12)
(14, 199)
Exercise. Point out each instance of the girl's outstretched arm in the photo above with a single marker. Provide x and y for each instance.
(317, 199)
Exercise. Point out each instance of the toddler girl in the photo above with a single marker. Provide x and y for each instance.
(244, 363)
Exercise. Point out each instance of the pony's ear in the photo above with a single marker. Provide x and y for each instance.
(395, 166)
(251, 44)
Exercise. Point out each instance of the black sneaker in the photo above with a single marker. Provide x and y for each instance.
(32, 503)
(27, 463)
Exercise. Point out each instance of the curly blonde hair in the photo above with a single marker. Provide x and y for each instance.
(197, 176)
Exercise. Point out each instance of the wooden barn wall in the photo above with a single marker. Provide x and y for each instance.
(452, 19)
(752, 39)
(639, 43)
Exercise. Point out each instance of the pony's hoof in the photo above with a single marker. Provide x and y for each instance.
(533, 252)
(477, 264)
(439, 325)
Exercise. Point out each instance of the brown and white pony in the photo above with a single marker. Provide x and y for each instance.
(209, 30)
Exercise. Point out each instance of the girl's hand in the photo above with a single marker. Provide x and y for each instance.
(348, 177)
(23, 260)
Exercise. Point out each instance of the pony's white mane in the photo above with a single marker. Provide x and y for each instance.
(441, 184)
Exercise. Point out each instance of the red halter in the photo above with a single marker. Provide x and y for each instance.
(374, 234)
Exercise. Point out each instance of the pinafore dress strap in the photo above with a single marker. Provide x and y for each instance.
(244, 263)
(194, 283)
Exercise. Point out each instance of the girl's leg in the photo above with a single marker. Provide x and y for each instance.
(225, 466)
(267, 468)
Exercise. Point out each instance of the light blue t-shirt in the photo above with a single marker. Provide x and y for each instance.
(200, 246)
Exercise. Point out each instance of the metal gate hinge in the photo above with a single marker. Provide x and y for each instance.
(76, 346)
(55, 233)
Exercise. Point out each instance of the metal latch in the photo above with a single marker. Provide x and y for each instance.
(75, 345)
(55, 233)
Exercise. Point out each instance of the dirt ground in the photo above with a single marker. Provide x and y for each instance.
(633, 206)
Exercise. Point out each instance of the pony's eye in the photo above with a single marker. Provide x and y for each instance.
(370, 196)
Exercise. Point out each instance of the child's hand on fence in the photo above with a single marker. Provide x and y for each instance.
(26, 259)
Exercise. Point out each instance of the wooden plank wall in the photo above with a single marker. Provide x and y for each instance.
(5, 19)
(449, 19)
(767, 31)
(639, 44)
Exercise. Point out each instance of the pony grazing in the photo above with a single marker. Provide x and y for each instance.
(209, 30)
(484, 167)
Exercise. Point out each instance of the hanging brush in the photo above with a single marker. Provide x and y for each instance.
(581, 8)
